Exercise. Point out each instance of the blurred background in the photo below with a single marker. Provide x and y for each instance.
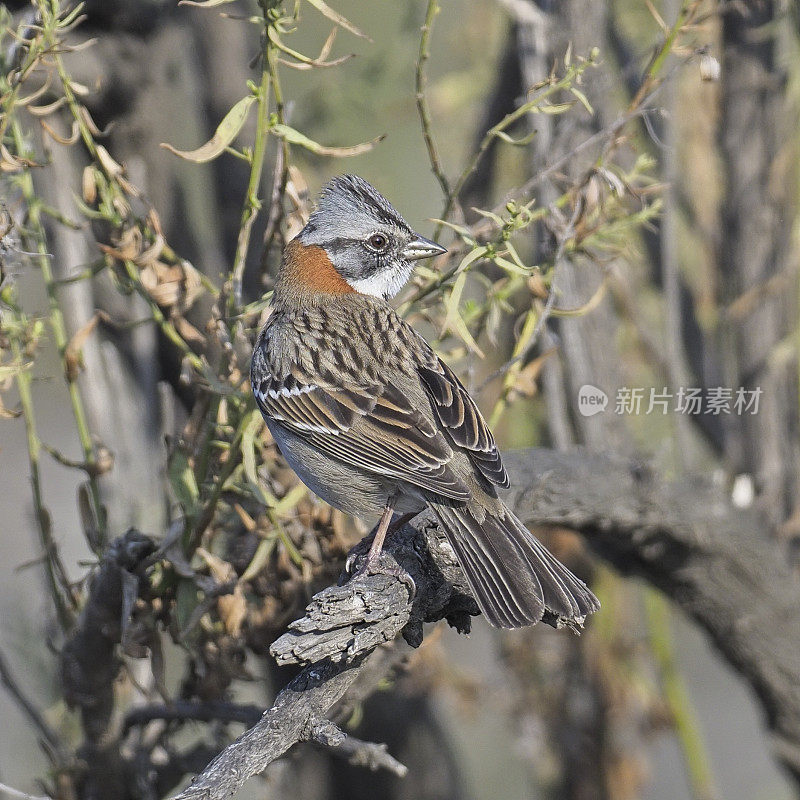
(663, 266)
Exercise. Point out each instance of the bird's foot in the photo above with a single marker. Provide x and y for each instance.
(379, 564)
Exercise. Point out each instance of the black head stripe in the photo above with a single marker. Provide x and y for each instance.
(350, 191)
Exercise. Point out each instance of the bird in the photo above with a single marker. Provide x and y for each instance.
(375, 423)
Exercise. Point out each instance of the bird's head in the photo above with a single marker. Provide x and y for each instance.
(356, 232)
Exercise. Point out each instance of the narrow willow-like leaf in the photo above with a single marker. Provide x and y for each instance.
(525, 140)
(260, 558)
(204, 3)
(251, 428)
(184, 484)
(291, 499)
(510, 266)
(335, 16)
(582, 97)
(226, 132)
(295, 137)
(554, 108)
(472, 257)
(453, 319)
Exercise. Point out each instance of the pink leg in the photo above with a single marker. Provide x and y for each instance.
(380, 533)
(371, 563)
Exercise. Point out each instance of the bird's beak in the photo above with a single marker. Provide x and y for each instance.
(420, 247)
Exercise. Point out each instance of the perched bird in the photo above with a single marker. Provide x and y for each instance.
(374, 422)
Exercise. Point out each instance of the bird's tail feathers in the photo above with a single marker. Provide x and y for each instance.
(514, 578)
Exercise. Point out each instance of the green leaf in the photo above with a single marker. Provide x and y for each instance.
(183, 482)
(463, 232)
(453, 319)
(498, 220)
(204, 3)
(186, 602)
(251, 428)
(295, 137)
(555, 108)
(517, 142)
(225, 133)
(471, 257)
(509, 266)
(260, 558)
(512, 251)
(582, 97)
(335, 16)
(291, 499)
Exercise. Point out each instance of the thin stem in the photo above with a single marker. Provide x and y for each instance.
(422, 102)
(28, 709)
(509, 119)
(59, 328)
(695, 754)
(252, 204)
(54, 570)
(651, 76)
(281, 168)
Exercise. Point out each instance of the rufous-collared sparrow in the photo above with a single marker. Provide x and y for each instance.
(374, 422)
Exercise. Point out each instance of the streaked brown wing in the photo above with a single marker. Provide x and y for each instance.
(463, 421)
(372, 427)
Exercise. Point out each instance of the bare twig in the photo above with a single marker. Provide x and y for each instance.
(252, 204)
(297, 709)
(29, 709)
(422, 102)
(354, 751)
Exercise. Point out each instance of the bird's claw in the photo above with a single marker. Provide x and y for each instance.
(379, 566)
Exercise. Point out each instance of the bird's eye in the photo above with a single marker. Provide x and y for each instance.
(378, 242)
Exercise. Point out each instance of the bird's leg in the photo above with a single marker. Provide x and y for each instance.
(380, 534)
(400, 521)
(372, 563)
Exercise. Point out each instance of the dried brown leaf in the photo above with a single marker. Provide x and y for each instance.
(232, 608)
(73, 357)
(88, 186)
(525, 383)
(335, 16)
(57, 137)
(188, 331)
(112, 168)
(151, 253)
(43, 111)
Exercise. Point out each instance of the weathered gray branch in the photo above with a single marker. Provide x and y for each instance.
(710, 558)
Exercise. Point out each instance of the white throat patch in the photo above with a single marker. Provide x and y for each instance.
(384, 284)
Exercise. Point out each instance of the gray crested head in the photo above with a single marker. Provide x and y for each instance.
(368, 242)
